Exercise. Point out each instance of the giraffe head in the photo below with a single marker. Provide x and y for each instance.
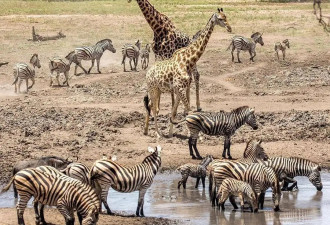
(220, 19)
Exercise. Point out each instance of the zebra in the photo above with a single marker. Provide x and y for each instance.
(194, 170)
(108, 174)
(60, 65)
(259, 176)
(318, 3)
(51, 190)
(91, 53)
(289, 167)
(281, 47)
(73, 180)
(77, 171)
(238, 188)
(221, 123)
(24, 72)
(132, 52)
(245, 44)
(144, 53)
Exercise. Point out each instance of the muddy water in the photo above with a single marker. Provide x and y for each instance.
(192, 206)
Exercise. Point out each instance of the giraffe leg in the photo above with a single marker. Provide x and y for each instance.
(173, 114)
(196, 78)
(154, 97)
(173, 99)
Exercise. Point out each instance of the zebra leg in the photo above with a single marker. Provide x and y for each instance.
(66, 74)
(80, 218)
(58, 82)
(82, 67)
(232, 201)
(278, 58)
(241, 198)
(75, 69)
(130, 63)
(123, 62)
(33, 81)
(139, 210)
(221, 201)
(184, 181)
(19, 85)
(51, 80)
(42, 216)
(67, 214)
(194, 143)
(251, 57)
(227, 144)
(291, 180)
(91, 66)
(283, 53)
(15, 191)
(261, 200)
(36, 211)
(191, 148)
(239, 61)
(98, 65)
(232, 53)
(196, 78)
(314, 7)
(21, 205)
(104, 196)
(197, 182)
(203, 182)
(27, 85)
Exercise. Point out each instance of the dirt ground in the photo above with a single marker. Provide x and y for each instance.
(103, 114)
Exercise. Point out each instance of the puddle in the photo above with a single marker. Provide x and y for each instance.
(192, 206)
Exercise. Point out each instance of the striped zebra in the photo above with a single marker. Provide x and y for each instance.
(77, 171)
(289, 167)
(108, 174)
(91, 53)
(259, 176)
(144, 53)
(132, 52)
(215, 124)
(51, 190)
(24, 72)
(241, 189)
(245, 44)
(197, 171)
(281, 47)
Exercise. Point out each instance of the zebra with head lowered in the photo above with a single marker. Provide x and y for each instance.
(282, 47)
(93, 53)
(132, 52)
(259, 176)
(245, 44)
(108, 173)
(51, 190)
(144, 53)
(23, 72)
(218, 124)
(289, 167)
(197, 171)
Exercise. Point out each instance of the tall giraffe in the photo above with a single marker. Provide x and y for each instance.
(167, 39)
(173, 75)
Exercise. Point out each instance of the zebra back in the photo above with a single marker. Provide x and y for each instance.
(130, 50)
(59, 65)
(77, 171)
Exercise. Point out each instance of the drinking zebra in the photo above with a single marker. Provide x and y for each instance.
(132, 52)
(77, 171)
(289, 167)
(53, 191)
(281, 47)
(197, 171)
(145, 57)
(245, 44)
(23, 72)
(243, 190)
(221, 123)
(259, 176)
(91, 53)
(108, 174)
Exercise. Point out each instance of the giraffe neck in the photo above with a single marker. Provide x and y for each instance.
(196, 49)
(156, 20)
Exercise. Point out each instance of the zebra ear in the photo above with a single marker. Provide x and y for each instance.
(318, 168)
(151, 150)
(159, 148)
(220, 10)
(114, 158)
(251, 110)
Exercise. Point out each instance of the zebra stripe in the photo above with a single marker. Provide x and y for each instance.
(132, 52)
(279, 47)
(288, 168)
(245, 44)
(194, 170)
(144, 53)
(59, 65)
(78, 171)
(108, 174)
(23, 72)
(51, 190)
(258, 176)
(91, 53)
(221, 123)
(238, 188)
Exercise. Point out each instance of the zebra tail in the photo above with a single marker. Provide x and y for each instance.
(231, 43)
(146, 103)
(6, 188)
(16, 78)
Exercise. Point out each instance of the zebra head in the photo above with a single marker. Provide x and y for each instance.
(35, 61)
(92, 217)
(251, 119)
(254, 150)
(257, 37)
(106, 45)
(286, 43)
(315, 178)
(138, 44)
(221, 19)
(253, 197)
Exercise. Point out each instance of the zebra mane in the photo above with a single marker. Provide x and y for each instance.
(102, 41)
(239, 110)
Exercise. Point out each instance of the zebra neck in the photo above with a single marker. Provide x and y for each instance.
(238, 119)
(157, 21)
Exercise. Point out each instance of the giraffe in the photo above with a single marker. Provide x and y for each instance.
(173, 75)
(167, 39)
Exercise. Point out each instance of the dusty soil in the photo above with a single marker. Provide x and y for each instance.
(103, 114)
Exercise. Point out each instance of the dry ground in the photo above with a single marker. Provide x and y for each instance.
(104, 114)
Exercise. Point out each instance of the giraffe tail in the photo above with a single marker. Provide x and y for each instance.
(146, 103)
(231, 43)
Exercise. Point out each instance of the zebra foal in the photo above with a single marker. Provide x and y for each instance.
(218, 124)
(108, 174)
(23, 72)
(144, 53)
(132, 52)
(197, 171)
(92, 53)
(241, 43)
(233, 187)
(53, 191)
(281, 47)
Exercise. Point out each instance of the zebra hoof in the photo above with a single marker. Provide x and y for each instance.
(229, 157)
